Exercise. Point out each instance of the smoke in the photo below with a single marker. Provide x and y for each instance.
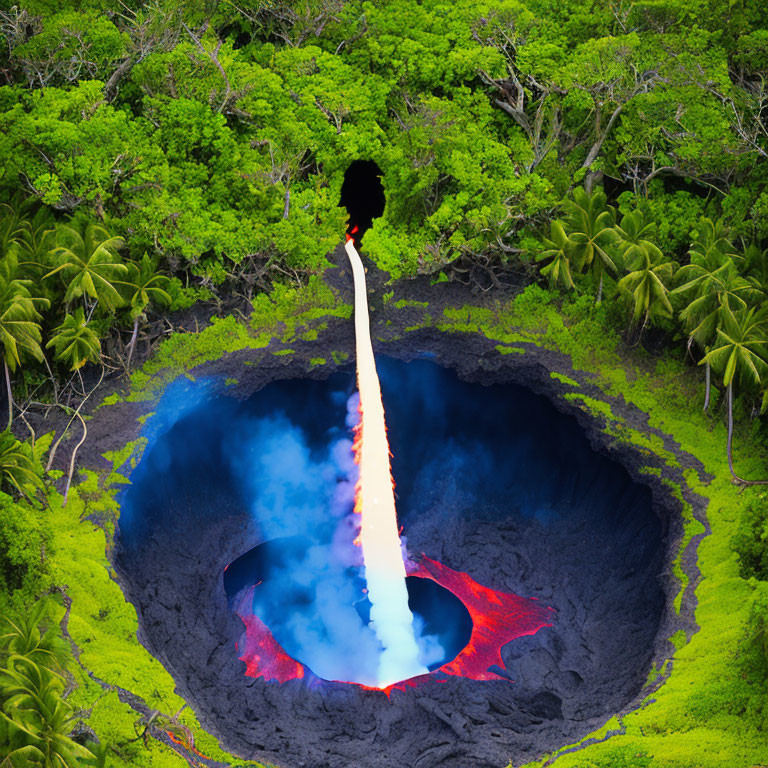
(314, 599)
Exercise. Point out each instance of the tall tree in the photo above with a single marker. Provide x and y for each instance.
(635, 239)
(740, 355)
(19, 323)
(711, 285)
(590, 223)
(143, 287)
(559, 249)
(646, 286)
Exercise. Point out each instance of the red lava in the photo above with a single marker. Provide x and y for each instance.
(497, 618)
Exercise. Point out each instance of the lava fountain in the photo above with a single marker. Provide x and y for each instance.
(391, 618)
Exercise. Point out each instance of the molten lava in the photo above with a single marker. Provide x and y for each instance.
(497, 618)
(262, 654)
(379, 537)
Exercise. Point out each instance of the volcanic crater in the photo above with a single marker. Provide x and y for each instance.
(493, 481)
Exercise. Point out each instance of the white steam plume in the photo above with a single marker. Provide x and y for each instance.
(391, 618)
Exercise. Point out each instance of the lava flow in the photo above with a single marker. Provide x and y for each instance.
(391, 618)
(497, 618)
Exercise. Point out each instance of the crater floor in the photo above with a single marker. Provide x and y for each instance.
(491, 480)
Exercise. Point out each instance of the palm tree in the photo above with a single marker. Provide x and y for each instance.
(646, 286)
(22, 634)
(740, 354)
(18, 466)
(75, 342)
(559, 247)
(19, 322)
(38, 719)
(590, 223)
(12, 224)
(756, 263)
(89, 264)
(713, 238)
(711, 284)
(144, 286)
(34, 242)
(634, 241)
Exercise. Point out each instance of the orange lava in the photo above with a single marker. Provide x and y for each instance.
(262, 654)
(497, 619)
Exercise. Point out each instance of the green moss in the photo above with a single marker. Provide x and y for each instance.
(502, 350)
(115, 723)
(679, 639)
(182, 351)
(317, 361)
(230, 382)
(283, 352)
(656, 673)
(592, 406)
(564, 379)
(284, 314)
(613, 724)
(403, 303)
(339, 357)
(691, 528)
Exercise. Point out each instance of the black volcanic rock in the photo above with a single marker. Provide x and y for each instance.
(601, 567)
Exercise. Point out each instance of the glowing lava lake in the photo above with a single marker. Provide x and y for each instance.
(533, 565)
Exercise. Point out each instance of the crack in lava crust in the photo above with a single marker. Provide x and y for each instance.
(497, 618)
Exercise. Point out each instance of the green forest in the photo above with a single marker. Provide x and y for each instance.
(604, 162)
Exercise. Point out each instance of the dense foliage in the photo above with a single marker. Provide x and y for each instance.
(35, 719)
(209, 141)
(216, 135)
(153, 154)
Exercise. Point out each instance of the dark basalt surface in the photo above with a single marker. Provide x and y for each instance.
(599, 562)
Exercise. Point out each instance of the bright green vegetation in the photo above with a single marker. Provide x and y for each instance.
(100, 626)
(712, 710)
(189, 156)
(280, 316)
(216, 136)
(564, 379)
(37, 720)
